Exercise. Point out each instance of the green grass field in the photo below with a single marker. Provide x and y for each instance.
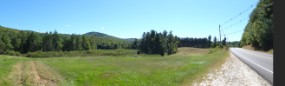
(132, 70)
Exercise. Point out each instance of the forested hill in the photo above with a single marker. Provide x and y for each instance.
(104, 40)
(259, 31)
(98, 34)
(29, 41)
(106, 36)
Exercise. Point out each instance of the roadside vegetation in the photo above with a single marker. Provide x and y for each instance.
(258, 32)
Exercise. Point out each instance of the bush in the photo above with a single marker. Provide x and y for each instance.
(217, 48)
(12, 53)
(118, 52)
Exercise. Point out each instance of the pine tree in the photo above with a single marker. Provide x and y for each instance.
(78, 43)
(215, 42)
(47, 42)
(135, 44)
(56, 41)
(33, 43)
(86, 43)
(170, 43)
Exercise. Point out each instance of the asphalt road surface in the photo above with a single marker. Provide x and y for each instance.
(262, 63)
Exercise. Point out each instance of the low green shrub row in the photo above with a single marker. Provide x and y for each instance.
(41, 54)
(118, 52)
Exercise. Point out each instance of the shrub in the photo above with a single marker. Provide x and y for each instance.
(13, 53)
(118, 52)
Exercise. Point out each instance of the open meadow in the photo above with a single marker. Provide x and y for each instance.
(188, 65)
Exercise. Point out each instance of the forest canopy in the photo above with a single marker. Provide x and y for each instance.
(259, 30)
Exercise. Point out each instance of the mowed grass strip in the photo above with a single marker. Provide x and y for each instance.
(138, 70)
(6, 66)
(21, 71)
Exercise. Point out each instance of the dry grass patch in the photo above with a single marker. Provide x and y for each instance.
(32, 73)
(192, 51)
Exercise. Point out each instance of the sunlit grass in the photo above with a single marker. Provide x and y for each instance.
(6, 65)
(131, 70)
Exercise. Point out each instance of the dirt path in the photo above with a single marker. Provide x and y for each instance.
(232, 73)
(33, 73)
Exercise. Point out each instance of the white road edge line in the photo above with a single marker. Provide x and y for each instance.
(258, 65)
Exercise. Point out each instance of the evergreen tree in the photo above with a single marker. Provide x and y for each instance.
(209, 41)
(47, 42)
(16, 42)
(33, 43)
(170, 43)
(78, 43)
(135, 44)
(56, 41)
(158, 43)
(66, 44)
(86, 45)
(73, 42)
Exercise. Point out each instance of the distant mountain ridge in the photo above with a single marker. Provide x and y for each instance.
(99, 34)
(103, 36)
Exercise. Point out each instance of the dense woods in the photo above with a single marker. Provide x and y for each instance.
(158, 43)
(200, 42)
(20, 41)
(14, 41)
(259, 31)
(195, 42)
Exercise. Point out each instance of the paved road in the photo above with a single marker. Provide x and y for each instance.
(262, 63)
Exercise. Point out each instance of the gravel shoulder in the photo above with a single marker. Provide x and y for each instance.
(232, 73)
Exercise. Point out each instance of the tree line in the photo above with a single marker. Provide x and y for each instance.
(157, 43)
(259, 30)
(30, 41)
(25, 42)
(200, 42)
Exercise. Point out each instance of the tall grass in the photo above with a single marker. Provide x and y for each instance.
(126, 70)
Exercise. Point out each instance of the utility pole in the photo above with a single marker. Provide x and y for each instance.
(220, 34)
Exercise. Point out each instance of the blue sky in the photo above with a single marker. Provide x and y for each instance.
(127, 18)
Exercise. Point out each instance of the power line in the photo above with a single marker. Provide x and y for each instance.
(234, 32)
(234, 24)
(237, 15)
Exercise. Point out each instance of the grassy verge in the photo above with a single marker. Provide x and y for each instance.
(221, 57)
